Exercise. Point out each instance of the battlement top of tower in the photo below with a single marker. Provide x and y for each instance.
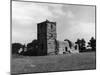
(47, 21)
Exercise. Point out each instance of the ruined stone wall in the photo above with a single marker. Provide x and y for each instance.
(63, 45)
(51, 37)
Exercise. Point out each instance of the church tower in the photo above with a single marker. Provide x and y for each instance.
(46, 35)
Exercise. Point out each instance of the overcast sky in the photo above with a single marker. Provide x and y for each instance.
(73, 21)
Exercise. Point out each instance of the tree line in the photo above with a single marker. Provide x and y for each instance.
(32, 48)
(82, 45)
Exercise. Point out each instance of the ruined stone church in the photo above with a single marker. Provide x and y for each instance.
(46, 35)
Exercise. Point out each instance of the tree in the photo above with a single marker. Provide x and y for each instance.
(78, 42)
(23, 49)
(92, 44)
(81, 44)
(83, 48)
(32, 48)
(16, 47)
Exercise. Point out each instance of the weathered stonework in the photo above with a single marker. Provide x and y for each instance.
(46, 36)
(64, 47)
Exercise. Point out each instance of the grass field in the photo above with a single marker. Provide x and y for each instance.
(68, 62)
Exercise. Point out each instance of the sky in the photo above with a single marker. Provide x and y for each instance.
(72, 21)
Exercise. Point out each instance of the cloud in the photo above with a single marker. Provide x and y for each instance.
(77, 29)
(25, 12)
(84, 27)
(56, 9)
(26, 15)
(70, 14)
(71, 23)
(31, 11)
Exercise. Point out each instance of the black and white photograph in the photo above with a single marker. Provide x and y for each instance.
(52, 37)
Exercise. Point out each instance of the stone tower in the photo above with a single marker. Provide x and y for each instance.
(46, 35)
